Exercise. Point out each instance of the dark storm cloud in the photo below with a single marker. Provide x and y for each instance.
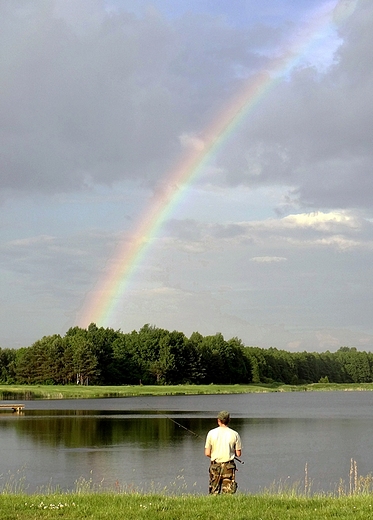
(95, 97)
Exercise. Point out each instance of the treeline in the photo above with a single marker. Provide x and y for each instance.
(103, 356)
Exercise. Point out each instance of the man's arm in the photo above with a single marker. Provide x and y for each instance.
(208, 446)
(238, 450)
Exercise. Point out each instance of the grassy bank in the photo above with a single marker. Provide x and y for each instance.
(81, 392)
(152, 507)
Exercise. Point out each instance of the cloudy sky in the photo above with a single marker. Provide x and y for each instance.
(270, 241)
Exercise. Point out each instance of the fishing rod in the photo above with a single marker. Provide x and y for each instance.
(194, 433)
(188, 430)
(182, 426)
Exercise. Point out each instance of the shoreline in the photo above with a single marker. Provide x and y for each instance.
(30, 392)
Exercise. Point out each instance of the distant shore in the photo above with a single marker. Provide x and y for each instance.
(26, 392)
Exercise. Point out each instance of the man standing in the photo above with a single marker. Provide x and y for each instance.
(222, 445)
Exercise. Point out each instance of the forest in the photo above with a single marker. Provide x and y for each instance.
(103, 356)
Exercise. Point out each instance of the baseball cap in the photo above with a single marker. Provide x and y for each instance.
(223, 415)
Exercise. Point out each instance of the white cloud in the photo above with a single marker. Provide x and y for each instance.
(320, 220)
(192, 141)
(268, 259)
(31, 241)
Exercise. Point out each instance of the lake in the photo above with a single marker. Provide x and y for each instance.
(157, 443)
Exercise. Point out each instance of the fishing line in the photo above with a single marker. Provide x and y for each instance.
(195, 434)
(190, 431)
(181, 426)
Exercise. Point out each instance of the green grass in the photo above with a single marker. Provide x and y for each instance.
(80, 392)
(77, 391)
(350, 500)
(110, 506)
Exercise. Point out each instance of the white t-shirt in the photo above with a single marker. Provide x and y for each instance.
(223, 442)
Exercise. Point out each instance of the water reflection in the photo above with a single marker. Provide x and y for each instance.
(84, 428)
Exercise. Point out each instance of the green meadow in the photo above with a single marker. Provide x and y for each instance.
(351, 499)
(110, 506)
(91, 392)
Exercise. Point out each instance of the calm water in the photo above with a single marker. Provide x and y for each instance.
(135, 443)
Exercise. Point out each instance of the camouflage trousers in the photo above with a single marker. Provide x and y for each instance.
(222, 478)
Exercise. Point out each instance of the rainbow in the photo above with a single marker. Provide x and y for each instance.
(105, 297)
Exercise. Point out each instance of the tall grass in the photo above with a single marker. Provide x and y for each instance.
(355, 485)
(352, 499)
